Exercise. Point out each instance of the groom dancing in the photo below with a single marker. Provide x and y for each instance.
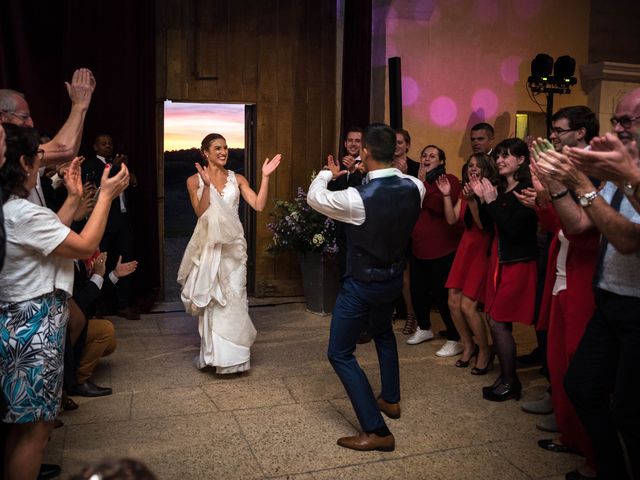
(380, 215)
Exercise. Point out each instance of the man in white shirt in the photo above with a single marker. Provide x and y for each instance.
(379, 217)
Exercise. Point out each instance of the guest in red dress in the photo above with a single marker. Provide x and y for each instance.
(466, 282)
(433, 247)
(511, 279)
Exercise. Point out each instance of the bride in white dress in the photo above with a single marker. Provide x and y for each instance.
(213, 272)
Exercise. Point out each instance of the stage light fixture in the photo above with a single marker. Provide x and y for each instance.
(541, 80)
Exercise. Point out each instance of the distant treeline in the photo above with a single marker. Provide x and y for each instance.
(179, 164)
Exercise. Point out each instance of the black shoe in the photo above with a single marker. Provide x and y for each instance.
(530, 359)
(88, 389)
(549, 444)
(49, 470)
(443, 333)
(503, 392)
(465, 363)
(483, 371)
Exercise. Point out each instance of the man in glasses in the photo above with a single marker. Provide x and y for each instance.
(573, 126)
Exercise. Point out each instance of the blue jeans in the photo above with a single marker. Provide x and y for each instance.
(361, 305)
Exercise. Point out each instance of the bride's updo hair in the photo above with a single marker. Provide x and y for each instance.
(208, 140)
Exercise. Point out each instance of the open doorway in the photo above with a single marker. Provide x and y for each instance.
(185, 125)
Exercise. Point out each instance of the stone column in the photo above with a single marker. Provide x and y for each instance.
(605, 83)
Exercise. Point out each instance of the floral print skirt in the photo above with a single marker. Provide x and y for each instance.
(32, 335)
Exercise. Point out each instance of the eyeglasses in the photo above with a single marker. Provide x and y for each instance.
(560, 131)
(626, 122)
(22, 116)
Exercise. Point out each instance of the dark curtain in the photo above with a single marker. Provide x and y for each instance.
(42, 43)
(356, 65)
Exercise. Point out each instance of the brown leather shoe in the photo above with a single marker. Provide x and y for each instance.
(368, 441)
(128, 313)
(391, 410)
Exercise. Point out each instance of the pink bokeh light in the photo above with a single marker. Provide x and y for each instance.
(410, 91)
(484, 101)
(527, 8)
(443, 111)
(510, 69)
(486, 11)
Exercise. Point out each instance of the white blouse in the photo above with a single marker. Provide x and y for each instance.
(30, 270)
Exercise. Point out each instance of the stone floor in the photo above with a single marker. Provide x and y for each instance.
(282, 419)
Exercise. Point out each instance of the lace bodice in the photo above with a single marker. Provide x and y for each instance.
(230, 193)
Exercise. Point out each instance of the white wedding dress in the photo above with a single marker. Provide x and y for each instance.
(213, 276)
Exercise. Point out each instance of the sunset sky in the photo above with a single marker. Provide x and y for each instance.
(186, 124)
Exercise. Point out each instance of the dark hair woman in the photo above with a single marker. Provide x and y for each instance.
(213, 271)
(35, 284)
(512, 275)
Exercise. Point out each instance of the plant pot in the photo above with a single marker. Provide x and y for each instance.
(321, 282)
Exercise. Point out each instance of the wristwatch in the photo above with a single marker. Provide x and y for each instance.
(587, 199)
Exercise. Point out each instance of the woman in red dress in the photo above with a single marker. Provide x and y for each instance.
(511, 280)
(466, 282)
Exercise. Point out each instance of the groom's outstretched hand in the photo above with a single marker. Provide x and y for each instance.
(334, 167)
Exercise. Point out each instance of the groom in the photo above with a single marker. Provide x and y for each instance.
(380, 215)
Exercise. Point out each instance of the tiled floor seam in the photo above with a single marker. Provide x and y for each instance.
(508, 460)
(244, 438)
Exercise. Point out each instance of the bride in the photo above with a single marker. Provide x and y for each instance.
(213, 271)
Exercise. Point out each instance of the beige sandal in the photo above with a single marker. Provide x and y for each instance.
(410, 324)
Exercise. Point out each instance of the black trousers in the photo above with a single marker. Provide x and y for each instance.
(427, 288)
(605, 363)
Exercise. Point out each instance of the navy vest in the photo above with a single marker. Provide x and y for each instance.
(377, 249)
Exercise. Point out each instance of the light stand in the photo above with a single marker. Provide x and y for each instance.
(541, 81)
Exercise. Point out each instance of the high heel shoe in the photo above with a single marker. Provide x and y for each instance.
(503, 392)
(465, 363)
(483, 371)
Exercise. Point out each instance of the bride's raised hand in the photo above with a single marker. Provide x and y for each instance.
(269, 166)
(204, 174)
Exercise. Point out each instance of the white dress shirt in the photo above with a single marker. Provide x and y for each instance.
(123, 208)
(346, 205)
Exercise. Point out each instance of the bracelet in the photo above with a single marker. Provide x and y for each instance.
(555, 196)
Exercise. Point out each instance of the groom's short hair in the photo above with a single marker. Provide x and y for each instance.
(380, 140)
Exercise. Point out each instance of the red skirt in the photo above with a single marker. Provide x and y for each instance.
(510, 295)
(469, 270)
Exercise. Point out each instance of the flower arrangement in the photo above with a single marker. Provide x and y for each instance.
(298, 227)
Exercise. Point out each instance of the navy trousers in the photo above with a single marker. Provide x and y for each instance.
(361, 305)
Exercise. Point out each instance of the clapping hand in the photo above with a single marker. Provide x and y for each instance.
(81, 87)
(114, 186)
(349, 162)
(527, 197)
(608, 159)
(100, 264)
(269, 166)
(124, 269)
(204, 174)
(489, 191)
(442, 182)
(475, 184)
(73, 178)
(468, 193)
